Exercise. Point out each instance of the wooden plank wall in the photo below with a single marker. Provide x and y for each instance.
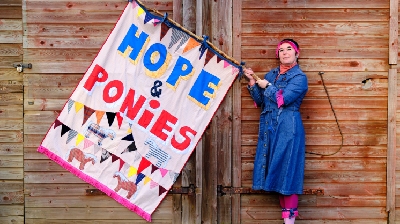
(396, 69)
(392, 111)
(11, 114)
(348, 41)
(61, 39)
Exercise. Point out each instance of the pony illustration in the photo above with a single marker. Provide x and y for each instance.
(155, 151)
(82, 157)
(99, 132)
(125, 184)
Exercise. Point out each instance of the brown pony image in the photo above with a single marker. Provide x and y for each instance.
(81, 157)
(125, 184)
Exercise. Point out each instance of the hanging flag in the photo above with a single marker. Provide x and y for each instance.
(153, 89)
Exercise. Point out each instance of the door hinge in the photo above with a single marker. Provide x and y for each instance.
(183, 190)
(20, 66)
(221, 190)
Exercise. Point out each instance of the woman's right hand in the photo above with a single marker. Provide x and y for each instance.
(248, 73)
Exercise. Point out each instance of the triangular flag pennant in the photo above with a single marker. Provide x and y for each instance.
(161, 190)
(146, 180)
(87, 112)
(153, 168)
(144, 163)
(209, 55)
(70, 104)
(78, 106)
(234, 70)
(96, 148)
(183, 41)
(218, 59)
(156, 22)
(164, 30)
(132, 171)
(57, 123)
(79, 139)
(176, 36)
(121, 164)
(114, 157)
(139, 178)
(153, 184)
(130, 148)
(134, 4)
(99, 115)
(110, 117)
(148, 17)
(174, 176)
(119, 119)
(137, 157)
(192, 43)
(163, 172)
(105, 155)
(226, 64)
(87, 143)
(140, 11)
(71, 134)
(64, 129)
(128, 138)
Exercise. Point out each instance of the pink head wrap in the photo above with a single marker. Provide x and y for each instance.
(289, 42)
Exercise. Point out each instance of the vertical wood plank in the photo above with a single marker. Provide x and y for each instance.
(237, 112)
(12, 199)
(189, 171)
(209, 183)
(199, 147)
(392, 109)
(393, 31)
(178, 203)
(391, 145)
(177, 9)
(221, 37)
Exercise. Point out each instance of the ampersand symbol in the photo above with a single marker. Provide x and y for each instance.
(154, 90)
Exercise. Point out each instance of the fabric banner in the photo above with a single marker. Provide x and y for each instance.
(140, 109)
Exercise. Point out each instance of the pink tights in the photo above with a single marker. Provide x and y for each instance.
(289, 201)
(289, 207)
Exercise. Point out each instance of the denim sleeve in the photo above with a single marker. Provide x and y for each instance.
(295, 88)
(256, 93)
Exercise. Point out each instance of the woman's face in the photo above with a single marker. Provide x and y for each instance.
(287, 55)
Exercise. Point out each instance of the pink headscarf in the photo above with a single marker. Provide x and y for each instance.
(289, 42)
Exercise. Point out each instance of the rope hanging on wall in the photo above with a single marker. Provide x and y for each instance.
(337, 122)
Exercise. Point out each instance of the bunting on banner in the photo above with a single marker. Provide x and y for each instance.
(140, 109)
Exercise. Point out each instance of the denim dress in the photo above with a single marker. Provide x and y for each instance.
(280, 155)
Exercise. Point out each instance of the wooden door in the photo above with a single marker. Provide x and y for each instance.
(11, 113)
(61, 40)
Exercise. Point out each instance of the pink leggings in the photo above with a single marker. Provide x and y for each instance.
(289, 201)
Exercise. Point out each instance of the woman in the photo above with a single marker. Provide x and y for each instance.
(280, 155)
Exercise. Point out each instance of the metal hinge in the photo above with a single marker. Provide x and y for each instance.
(20, 66)
(183, 190)
(247, 190)
(221, 191)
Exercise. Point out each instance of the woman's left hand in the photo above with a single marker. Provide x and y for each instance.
(262, 83)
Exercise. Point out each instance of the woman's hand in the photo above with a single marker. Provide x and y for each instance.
(262, 83)
(248, 73)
